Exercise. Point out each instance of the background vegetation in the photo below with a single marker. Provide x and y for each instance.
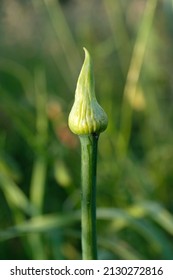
(40, 58)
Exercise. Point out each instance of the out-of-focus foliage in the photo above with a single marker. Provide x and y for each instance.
(40, 58)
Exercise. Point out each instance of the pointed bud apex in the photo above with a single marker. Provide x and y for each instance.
(86, 116)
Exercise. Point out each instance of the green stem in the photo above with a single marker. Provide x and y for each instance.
(88, 172)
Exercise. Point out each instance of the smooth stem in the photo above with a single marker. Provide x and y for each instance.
(88, 172)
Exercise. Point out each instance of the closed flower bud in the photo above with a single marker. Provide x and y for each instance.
(86, 116)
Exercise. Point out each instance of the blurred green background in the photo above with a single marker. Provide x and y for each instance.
(41, 55)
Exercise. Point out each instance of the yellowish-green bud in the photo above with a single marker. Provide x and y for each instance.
(86, 116)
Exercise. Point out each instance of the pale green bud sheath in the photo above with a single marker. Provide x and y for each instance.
(87, 119)
(86, 115)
